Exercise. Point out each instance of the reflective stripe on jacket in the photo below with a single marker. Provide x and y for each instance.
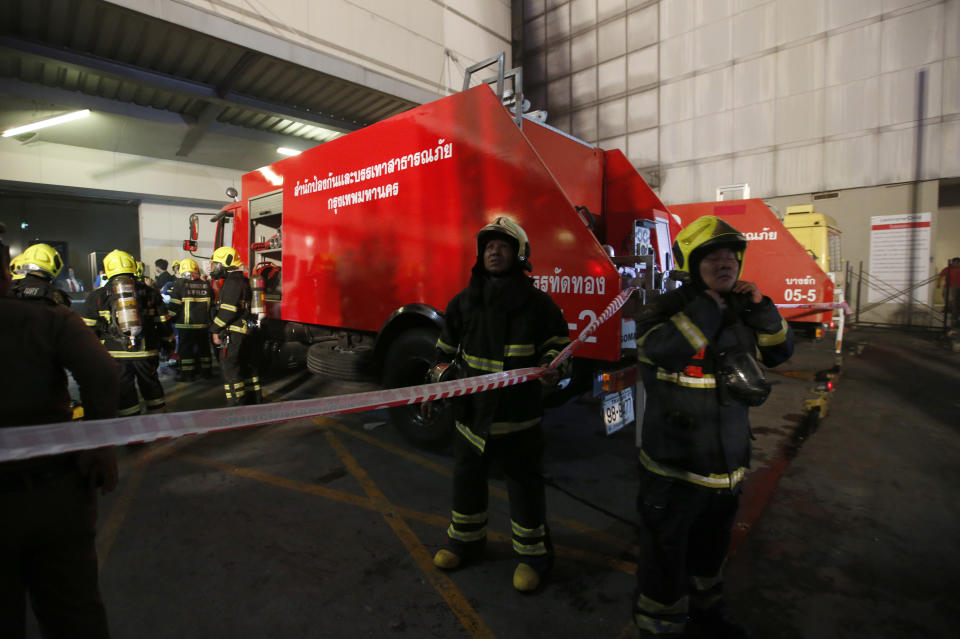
(505, 325)
(232, 305)
(688, 432)
(97, 313)
(190, 302)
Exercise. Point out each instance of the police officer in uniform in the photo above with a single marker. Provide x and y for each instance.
(132, 321)
(232, 331)
(37, 267)
(190, 312)
(47, 549)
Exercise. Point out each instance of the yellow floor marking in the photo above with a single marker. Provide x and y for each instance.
(110, 528)
(282, 482)
(448, 590)
(499, 493)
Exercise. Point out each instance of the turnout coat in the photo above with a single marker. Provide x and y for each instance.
(692, 429)
(493, 325)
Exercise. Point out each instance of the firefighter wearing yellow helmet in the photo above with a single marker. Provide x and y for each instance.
(500, 321)
(132, 321)
(233, 331)
(189, 306)
(49, 502)
(36, 268)
(697, 350)
(15, 273)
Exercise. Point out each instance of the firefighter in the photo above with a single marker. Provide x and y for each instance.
(37, 267)
(233, 332)
(500, 321)
(696, 348)
(131, 320)
(189, 308)
(14, 269)
(49, 504)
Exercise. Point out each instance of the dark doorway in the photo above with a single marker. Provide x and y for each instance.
(74, 225)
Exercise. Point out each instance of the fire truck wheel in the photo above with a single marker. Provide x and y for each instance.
(330, 360)
(406, 364)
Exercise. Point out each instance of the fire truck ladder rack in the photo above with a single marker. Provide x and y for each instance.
(511, 99)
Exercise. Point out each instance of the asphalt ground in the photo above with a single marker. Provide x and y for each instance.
(326, 527)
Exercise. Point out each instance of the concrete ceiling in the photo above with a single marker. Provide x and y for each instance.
(161, 90)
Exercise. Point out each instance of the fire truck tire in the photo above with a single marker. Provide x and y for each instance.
(329, 360)
(406, 364)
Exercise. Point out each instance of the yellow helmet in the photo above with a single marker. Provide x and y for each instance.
(702, 236)
(15, 265)
(139, 272)
(227, 257)
(41, 259)
(188, 265)
(504, 226)
(119, 262)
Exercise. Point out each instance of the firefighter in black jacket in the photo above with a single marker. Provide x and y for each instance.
(189, 308)
(36, 269)
(697, 347)
(49, 504)
(132, 322)
(232, 331)
(500, 321)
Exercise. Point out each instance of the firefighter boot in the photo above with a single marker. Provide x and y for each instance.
(446, 560)
(525, 578)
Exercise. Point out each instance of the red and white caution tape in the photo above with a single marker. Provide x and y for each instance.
(823, 306)
(22, 442)
(614, 306)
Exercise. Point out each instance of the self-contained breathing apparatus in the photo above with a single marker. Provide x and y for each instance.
(124, 309)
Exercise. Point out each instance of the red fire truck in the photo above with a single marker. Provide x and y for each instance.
(775, 261)
(362, 241)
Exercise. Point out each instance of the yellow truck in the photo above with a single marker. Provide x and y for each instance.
(819, 235)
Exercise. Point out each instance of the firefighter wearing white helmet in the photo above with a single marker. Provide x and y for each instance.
(189, 306)
(36, 268)
(232, 330)
(500, 321)
(697, 349)
(132, 321)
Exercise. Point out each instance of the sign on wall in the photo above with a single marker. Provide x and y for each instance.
(895, 240)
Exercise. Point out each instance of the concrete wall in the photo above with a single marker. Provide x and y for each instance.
(169, 191)
(790, 96)
(421, 45)
(853, 208)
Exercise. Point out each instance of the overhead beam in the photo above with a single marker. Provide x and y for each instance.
(73, 99)
(187, 88)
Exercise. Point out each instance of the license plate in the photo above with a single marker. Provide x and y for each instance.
(617, 410)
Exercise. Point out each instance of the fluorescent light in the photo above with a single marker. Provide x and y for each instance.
(42, 124)
(287, 151)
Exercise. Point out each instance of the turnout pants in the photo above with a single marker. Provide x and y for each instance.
(193, 349)
(139, 372)
(241, 380)
(520, 455)
(47, 552)
(685, 543)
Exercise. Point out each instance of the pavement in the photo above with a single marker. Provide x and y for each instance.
(326, 527)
